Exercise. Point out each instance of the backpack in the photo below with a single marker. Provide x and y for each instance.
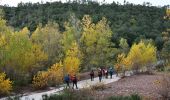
(74, 79)
(100, 73)
(66, 78)
(91, 73)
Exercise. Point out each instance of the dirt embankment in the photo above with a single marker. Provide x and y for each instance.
(143, 85)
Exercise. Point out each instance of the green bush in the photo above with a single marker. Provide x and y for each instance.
(131, 97)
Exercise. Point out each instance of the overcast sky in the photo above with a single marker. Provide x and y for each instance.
(153, 2)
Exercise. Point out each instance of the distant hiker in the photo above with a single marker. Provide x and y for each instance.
(67, 80)
(103, 72)
(92, 75)
(106, 73)
(74, 80)
(100, 75)
(111, 72)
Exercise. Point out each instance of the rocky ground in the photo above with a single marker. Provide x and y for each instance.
(147, 86)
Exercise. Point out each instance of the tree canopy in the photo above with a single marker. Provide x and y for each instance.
(128, 21)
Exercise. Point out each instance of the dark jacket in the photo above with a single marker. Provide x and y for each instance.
(92, 73)
(100, 73)
(111, 71)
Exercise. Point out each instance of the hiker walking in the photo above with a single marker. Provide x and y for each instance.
(74, 80)
(67, 80)
(103, 72)
(106, 73)
(111, 72)
(92, 75)
(100, 75)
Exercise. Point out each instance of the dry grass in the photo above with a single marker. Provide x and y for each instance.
(98, 86)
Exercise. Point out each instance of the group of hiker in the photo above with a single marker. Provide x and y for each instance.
(102, 73)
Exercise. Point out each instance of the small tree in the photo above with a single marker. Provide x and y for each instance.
(53, 76)
(141, 56)
(124, 45)
(5, 84)
(72, 60)
(122, 64)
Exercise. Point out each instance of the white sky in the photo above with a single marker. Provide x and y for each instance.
(153, 2)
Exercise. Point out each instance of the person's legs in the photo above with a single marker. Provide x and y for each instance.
(91, 77)
(100, 79)
(76, 85)
(68, 84)
(73, 85)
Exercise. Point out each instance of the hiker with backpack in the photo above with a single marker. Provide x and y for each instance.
(103, 72)
(67, 80)
(92, 75)
(106, 73)
(100, 75)
(74, 80)
(111, 72)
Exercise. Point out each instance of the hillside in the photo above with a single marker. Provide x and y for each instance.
(133, 22)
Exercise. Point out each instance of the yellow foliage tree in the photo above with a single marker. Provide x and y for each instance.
(167, 16)
(96, 42)
(53, 76)
(40, 80)
(122, 63)
(56, 74)
(19, 57)
(72, 60)
(49, 38)
(5, 84)
(142, 56)
(2, 40)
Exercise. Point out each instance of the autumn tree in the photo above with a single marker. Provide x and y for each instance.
(20, 57)
(68, 37)
(49, 37)
(56, 74)
(142, 56)
(122, 64)
(5, 85)
(52, 77)
(72, 33)
(96, 42)
(72, 60)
